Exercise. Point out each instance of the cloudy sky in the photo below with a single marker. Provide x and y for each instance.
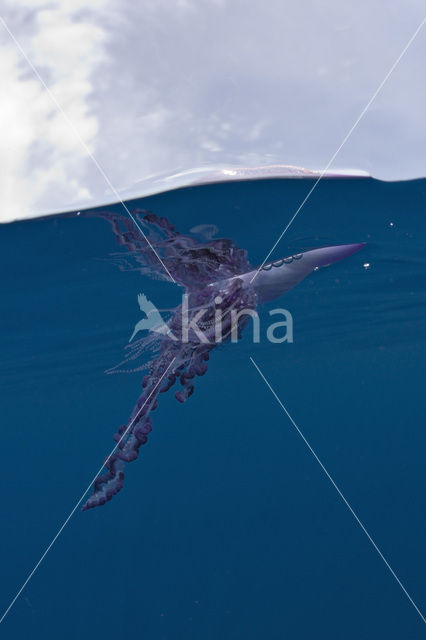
(159, 87)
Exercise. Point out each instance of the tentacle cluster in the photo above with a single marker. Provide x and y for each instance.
(191, 263)
(183, 354)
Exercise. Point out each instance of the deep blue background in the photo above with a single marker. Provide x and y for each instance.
(227, 527)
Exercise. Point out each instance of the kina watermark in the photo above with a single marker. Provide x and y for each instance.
(214, 322)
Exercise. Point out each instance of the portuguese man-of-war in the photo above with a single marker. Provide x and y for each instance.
(216, 277)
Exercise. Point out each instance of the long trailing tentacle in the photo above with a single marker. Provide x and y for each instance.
(178, 360)
(165, 371)
(130, 437)
(202, 268)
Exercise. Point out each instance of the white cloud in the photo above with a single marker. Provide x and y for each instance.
(41, 156)
(166, 86)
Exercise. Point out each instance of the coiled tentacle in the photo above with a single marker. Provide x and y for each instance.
(178, 359)
(204, 270)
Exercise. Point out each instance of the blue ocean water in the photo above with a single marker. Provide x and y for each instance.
(227, 527)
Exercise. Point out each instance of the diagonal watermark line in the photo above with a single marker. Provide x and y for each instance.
(337, 489)
(54, 539)
(345, 139)
(83, 144)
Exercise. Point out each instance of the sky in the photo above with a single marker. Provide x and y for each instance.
(164, 87)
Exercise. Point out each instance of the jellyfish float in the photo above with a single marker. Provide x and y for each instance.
(218, 282)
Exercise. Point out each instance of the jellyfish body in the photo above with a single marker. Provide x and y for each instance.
(274, 279)
(215, 275)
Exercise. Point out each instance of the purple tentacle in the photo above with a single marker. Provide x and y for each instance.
(205, 271)
(191, 263)
(130, 437)
(178, 360)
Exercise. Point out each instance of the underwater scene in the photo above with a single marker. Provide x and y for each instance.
(212, 429)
